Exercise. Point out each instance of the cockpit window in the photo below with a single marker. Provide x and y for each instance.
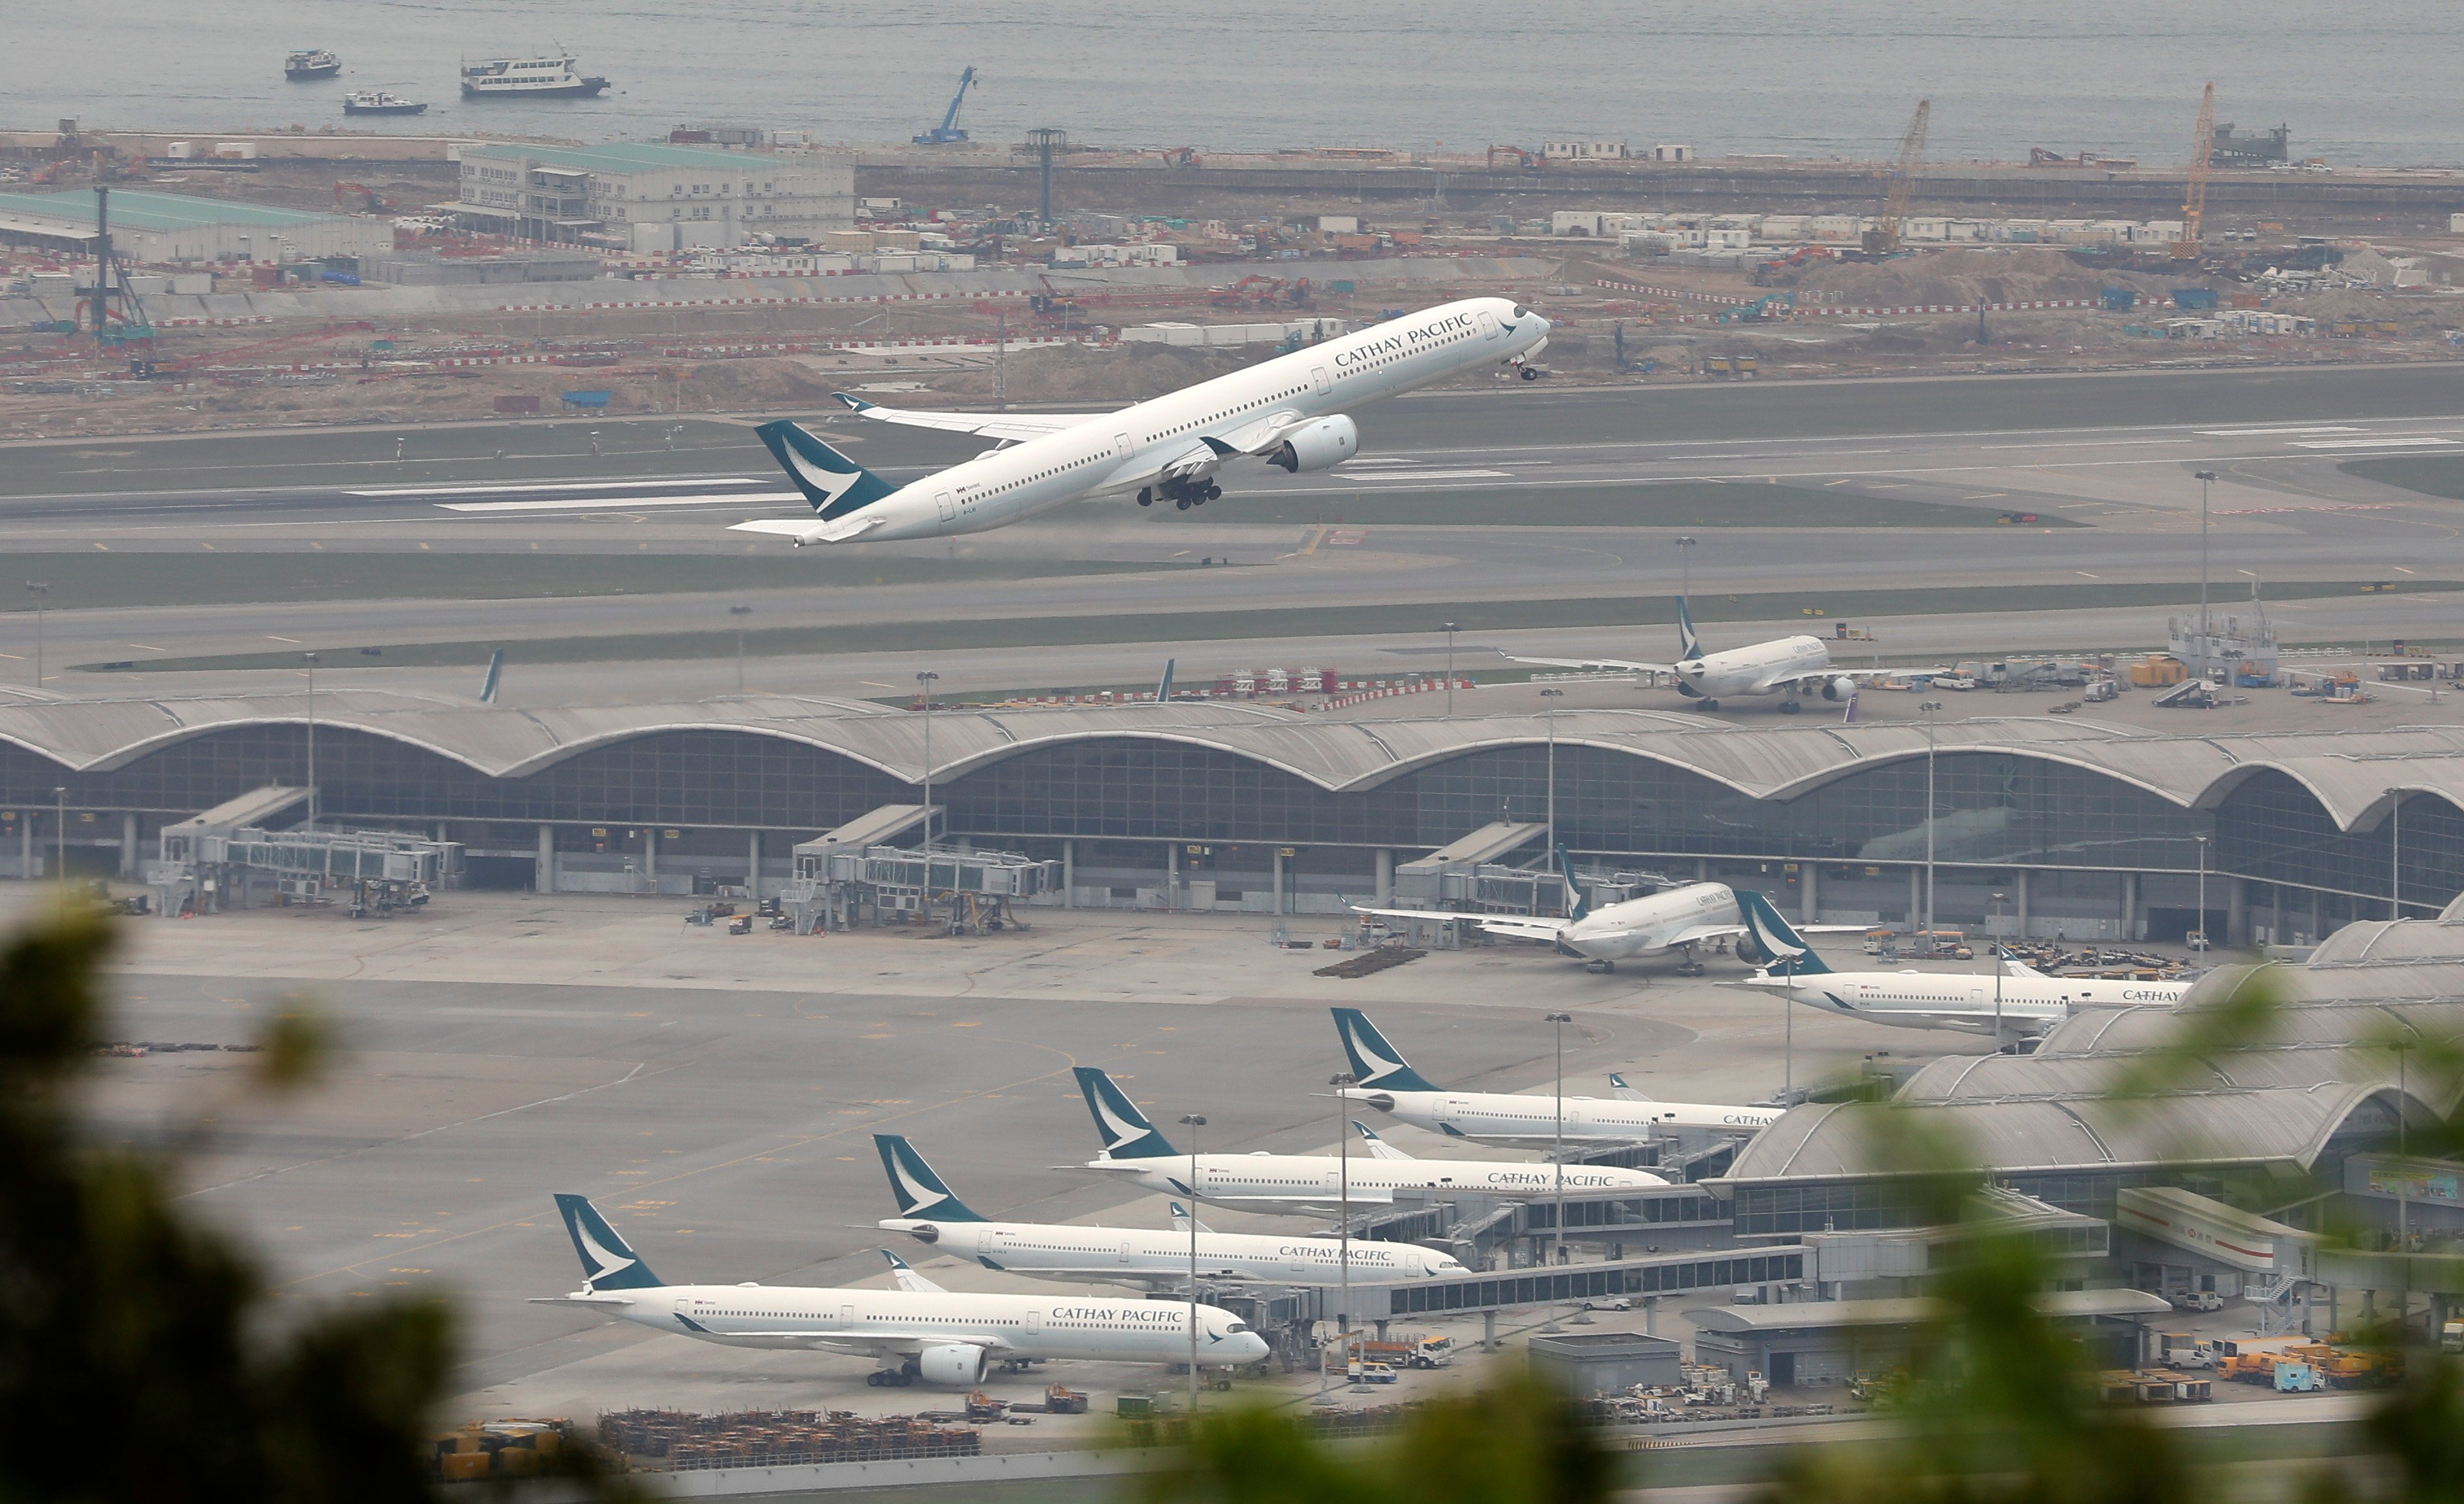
(1236, 1328)
(1521, 313)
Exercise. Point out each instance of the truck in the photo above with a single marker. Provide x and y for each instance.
(1410, 1350)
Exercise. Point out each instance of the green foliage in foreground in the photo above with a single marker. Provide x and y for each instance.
(141, 1357)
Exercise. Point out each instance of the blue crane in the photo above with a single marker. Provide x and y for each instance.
(947, 133)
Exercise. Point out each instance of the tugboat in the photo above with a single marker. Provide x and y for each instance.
(551, 78)
(376, 101)
(317, 62)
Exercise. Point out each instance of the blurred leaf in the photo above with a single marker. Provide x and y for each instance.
(296, 1044)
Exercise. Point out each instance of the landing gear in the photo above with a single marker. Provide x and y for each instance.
(1790, 707)
(1180, 503)
(1691, 964)
(1531, 373)
(1146, 496)
(1184, 494)
(1710, 705)
(891, 1378)
(1600, 968)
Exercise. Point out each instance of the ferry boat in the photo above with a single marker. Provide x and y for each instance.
(317, 62)
(528, 79)
(377, 101)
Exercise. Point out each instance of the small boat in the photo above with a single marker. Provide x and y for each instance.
(377, 101)
(317, 62)
(549, 77)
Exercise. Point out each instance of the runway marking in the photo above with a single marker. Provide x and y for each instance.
(149, 647)
(293, 641)
(1384, 459)
(1416, 475)
(2090, 443)
(632, 503)
(569, 485)
(2372, 443)
(2252, 433)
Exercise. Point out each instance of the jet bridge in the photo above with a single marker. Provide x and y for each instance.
(843, 883)
(226, 858)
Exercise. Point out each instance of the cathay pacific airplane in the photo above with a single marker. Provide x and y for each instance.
(1794, 667)
(2012, 1004)
(919, 1330)
(1387, 1082)
(1133, 1147)
(930, 1212)
(1289, 411)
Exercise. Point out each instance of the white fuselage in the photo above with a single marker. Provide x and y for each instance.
(1067, 1252)
(1515, 1118)
(1651, 924)
(899, 1322)
(1136, 447)
(1320, 1179)
(1763, 668)
(1971, 1002)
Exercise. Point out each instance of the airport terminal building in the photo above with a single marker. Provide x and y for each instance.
(2082, 830)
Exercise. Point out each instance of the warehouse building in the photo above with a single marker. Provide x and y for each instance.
(170, 229)
(2041, 825)
(651, 198)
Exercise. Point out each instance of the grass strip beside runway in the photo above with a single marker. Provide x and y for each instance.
(1306, 621)
(98, 580)
(2439, 475)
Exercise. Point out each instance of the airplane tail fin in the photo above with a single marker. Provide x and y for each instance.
(832, 483)
(1619, 1089)
(1181, 1219)
(1125, 1132)
(496, 671)
(1787, 949)
(1163, 691)
(919, 1192)
(2013, 966)
(607, 1262)
(1581, 895)
(1374, 1061)
(1378, 1148)
(1688, 646)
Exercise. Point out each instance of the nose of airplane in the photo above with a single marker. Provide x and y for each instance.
(1253, 1346)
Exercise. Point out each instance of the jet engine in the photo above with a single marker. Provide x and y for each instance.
(1750, 953)
(1383, 1101)
(1313, 447)
(1842, 687)
(925, 1233)
(954, 1364)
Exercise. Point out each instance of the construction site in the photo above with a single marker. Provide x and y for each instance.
(154, 285)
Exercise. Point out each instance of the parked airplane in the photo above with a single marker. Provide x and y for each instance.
(930, 1212)
(1289, 411)
(2011, 1003)
(1793, 667)
(918, 1331)
(1133, 1147)
(1680, 919)
(1388, 1083)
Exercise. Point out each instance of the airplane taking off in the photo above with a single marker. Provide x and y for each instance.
(930, 1212)
(1288, 411)
(1133, 1147)
(1680, 919)
(1788, 665)
(2015, 1002)
(919, 1330)
(1388, 1083)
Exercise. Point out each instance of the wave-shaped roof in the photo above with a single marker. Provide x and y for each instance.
(2354, 775)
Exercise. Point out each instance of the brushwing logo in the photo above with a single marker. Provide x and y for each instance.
(1376, 1058)
(603, 1263)
(831, 484)
(920, 1197)
(1119, 1132)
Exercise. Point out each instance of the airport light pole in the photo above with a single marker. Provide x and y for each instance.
(924, 683)
(1998, 968)
(1931, 708)
(1549, 699)
(41, 591)
(61, 833)
(739, 613)
(1341, 1081)
(1450, 670)
(1557, 1023)
(1193, 1123)
(2205, 479)
(2203, 890)
(1685, 567)
(2395, 856)
(310, 659)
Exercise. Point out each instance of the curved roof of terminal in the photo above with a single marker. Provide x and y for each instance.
(2351, 773)
(2320, 1046)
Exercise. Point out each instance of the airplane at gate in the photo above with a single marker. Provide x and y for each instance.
(918, 1332)
(1387, 1082)
(1133, 1147)
(2013, 1003)
(1793, 667)
(930, 1212)
(1291, 411)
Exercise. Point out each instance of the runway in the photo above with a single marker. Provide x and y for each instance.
(1846, 486)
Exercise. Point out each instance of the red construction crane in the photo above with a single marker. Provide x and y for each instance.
(1903, 182)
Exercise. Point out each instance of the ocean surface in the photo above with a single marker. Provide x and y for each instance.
(2361, 82)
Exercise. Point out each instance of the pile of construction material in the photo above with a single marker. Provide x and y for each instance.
(499, 1449)
(684, 1442)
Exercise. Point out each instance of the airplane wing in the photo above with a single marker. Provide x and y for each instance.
(1361, 1195)
(1260, 437)
(1116, 1274)
(813, 530)
(1701, 932)
(596, 1301)
(1514, 926)
(906, 1343)
(1010, 428)
(1619, 664)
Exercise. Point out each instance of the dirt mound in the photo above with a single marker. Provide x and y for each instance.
(1125, 374)
(1996, 274)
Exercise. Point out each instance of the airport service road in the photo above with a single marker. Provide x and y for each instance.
(717, 1092)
